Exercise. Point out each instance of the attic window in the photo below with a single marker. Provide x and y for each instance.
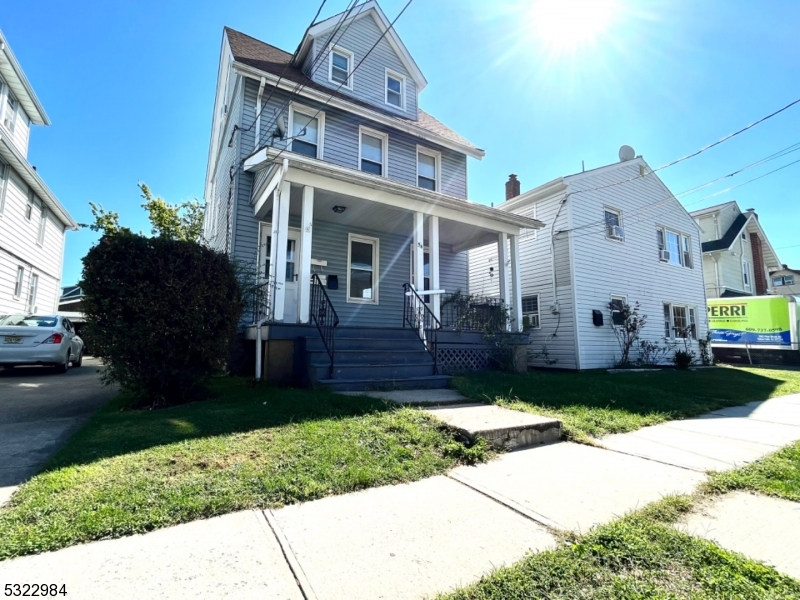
(395, 90)
(341, 64)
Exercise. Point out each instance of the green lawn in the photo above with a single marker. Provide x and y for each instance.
(776, 475)
(129, 472)
(596, 403)
(636, 558)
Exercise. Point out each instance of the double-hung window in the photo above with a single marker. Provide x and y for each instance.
(746, 275)
(428, 163)
(617, 307)
(10, 114)
(341, 67)
(4, 174)
(362, 269)
(32, 290)
(395, 90)
(613, 221)
(18, 282)
(530, 311)
(680, 321)
(29, 207)
(42, 226)
(306, 130)
(373, 150)
(674, 248)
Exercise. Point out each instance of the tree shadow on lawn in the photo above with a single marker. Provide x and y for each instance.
(237, 406)
(610, 403)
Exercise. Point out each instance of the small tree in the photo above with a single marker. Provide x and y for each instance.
(161, 314)
(627, 325)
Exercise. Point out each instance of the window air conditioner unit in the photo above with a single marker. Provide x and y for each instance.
(615, 232)
(663, 255)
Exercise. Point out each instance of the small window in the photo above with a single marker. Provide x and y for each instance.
(395, 90)
(777, 281)
(42, 226)
(783, 280)
(744, 236)
(10, 116)
(29, 207)
(427, 170)
(667, 321)
(788, 280)
(692, 323)
(617, 306)
(18, 282)
(613, 220)
(362, 269)
(686, 247)
(306, 133)
(746, 275)
(373, 152)
(4, 174)
(530, 312)
(34, 287)
(341, 64)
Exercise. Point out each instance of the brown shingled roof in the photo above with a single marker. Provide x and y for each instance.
(265, 57)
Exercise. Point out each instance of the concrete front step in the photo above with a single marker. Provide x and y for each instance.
(501, 427)
(366, 344)
(409, 383)
(362, 371)
(370, 357)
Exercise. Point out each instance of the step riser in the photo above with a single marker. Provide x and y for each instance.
(366, 345)
(372, 371)
(377, 333)
(379, 357)
(386, 384)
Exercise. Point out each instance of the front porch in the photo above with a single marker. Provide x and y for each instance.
(339, 249)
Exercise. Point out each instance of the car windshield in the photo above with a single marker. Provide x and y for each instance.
(28, 321)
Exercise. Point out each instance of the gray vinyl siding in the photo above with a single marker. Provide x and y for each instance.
(631, 268)
(556, 332)
(341, 140)
(369, 81)
(453, 270)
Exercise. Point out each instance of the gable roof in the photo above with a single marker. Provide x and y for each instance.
(372, 9)
(712, 209)
(730, 236)
(259, 55)
(14, 76)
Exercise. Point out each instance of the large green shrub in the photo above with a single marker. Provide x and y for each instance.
(161, 313)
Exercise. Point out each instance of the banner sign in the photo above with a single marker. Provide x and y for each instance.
(750, 321)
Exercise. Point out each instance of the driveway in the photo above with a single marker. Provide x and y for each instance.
(39, 411)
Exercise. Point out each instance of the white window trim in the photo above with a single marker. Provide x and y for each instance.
(384, 137)
(688, 307)
(353, 237)
(617, 212)
(42, 226)
(350, 59)
(309, 112)
(29, 206)
(613, 297)
(19, 279)
(680, 235)
(4, 176)
(402, 79)
(4, 98)
(747, 285)
(538, 309)
(437, 157)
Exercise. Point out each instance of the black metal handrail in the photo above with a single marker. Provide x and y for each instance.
(259, 302)
(324, 316)
(421, 319)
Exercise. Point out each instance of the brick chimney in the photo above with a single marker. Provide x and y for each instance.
(759, 268)
(512, 187)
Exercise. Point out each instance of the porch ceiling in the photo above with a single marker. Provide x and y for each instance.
(382, 218)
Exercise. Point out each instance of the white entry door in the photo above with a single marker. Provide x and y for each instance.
(290, 310)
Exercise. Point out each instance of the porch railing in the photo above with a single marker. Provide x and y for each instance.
(421, 319)
(324, 316)
(465, 312)
(259, 300)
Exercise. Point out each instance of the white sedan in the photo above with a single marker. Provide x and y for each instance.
(39, 340)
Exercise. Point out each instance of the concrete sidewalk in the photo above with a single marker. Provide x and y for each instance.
(419, 539)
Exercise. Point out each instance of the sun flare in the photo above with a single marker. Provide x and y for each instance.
(568, 25)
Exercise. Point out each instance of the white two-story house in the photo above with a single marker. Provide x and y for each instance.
(612, 234)
(738, 258)
(347, 199)
(33, 223)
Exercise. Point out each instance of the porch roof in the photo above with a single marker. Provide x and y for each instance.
(303, 170)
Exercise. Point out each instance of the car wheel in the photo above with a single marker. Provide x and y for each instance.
(79, 361)
(63, 367)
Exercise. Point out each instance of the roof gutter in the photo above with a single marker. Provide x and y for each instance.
(359, 110)
(11, 155)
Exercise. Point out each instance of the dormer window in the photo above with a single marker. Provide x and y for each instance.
(341, 65)
(395, 90)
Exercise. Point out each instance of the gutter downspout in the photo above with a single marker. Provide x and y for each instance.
(716, 275)
(260, 324)
(258, 112)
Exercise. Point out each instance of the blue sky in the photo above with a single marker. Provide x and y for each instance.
(129, 87)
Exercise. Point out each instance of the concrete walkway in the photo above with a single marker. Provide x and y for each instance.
(419, 539)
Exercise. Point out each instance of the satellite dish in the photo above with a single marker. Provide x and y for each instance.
(626, 153)
(281, 130)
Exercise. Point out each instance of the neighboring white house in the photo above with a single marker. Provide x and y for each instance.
(737, 255)
(785, 281)
(615, 233)
(32, 221)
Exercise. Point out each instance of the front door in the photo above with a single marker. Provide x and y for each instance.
(290, 310)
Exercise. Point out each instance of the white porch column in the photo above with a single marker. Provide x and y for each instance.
(433, 242)
(273, 253)
(280, 234)
(419, 252)
(502, 266)
(306, 225)
(516, 285)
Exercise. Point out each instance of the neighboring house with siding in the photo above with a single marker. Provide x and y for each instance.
(737, 255)
(33, 223)
(615, 233)
(785, 281)
(322, 164)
